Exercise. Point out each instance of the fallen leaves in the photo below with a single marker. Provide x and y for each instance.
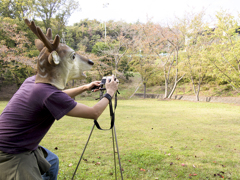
(183, 165)
(98, 163)
(142, 169)
(219, 174)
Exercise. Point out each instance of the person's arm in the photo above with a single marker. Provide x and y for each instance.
(78, 90)
(83, 111)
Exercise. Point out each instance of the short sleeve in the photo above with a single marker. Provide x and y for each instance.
(59, 104)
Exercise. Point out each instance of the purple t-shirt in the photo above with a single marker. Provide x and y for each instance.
(29, 115)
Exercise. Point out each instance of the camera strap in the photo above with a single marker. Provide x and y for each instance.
(112, 113)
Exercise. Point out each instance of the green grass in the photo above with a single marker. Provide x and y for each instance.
(155, 138)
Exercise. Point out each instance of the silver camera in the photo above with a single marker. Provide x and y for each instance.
(104, 80)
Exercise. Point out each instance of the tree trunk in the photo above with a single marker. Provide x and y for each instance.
(144, 93)
(166, 89)
(173, 89)
(198, 91)
(197, 95)
(199, 85)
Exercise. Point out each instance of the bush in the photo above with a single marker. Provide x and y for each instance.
(14, 72)
(222, 82)
(99, 47)
(32, 53)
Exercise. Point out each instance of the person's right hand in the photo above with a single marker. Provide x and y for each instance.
(112, 86)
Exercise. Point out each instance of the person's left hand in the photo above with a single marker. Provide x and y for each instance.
(92, 84)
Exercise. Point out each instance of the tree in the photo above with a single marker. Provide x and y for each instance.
(197, 40)
(12, 64)
(103, 61)
(84, 34)
(167, 42)
(146, 66)
(59, 9)
(117, 46)
(15, 9)
(225, 48)
(144, 58)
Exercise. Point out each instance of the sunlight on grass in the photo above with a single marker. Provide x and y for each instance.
(157, 140)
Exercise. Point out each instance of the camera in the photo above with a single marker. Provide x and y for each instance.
(103, 81)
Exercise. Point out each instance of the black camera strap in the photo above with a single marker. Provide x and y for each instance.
(112, 113)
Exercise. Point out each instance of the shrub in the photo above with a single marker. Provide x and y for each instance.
(32, 53)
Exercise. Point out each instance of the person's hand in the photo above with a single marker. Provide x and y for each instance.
(112, 86)
(93, 84)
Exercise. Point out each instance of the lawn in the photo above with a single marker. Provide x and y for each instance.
(157, 140)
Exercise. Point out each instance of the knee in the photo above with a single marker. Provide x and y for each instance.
(52, 158)
(56, 159)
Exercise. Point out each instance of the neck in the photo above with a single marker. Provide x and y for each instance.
(59, 83)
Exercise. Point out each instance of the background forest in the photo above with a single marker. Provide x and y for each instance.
(188, 55)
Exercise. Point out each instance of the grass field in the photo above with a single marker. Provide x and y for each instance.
(157, 140)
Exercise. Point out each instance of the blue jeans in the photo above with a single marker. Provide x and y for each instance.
(52, 173)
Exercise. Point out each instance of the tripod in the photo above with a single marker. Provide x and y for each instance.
(114, 136)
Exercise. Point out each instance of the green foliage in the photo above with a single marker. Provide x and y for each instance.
(99, 48)
(224, 50)
(15, 9)
(14, 72)
(13, 35)
(4, 34)
(125, 68)
(206, 55)
(85, 33)
(11, 70)
(60, 9)
(32, 53)
(222, 82)
(89, 78)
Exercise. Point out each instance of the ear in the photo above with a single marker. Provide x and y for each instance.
(54, 58)
(39, 44)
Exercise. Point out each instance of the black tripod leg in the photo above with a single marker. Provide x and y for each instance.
(114, 156)
(115, 135)
(83, 151)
